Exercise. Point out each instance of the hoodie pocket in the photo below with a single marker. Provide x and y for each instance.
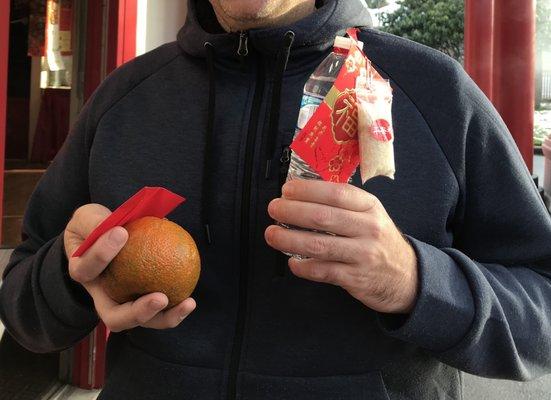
(369, 386)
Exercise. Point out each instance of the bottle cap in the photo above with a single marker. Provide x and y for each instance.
(345, 43)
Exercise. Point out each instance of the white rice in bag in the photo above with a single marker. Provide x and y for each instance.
(375, 131)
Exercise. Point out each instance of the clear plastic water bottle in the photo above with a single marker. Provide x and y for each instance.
(316, 88)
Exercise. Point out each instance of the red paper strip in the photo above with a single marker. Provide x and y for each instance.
(353, 33)
(329, 141)
(148, 202)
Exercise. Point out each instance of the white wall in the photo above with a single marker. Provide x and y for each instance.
(158, 22)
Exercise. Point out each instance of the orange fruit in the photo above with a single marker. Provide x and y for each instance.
(159, 256)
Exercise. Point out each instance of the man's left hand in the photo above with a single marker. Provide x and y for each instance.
(368, 256)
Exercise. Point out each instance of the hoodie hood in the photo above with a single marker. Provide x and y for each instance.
(312, 34)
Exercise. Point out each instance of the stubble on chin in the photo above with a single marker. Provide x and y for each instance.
(240, 15)
(237, 15)
(247, 10)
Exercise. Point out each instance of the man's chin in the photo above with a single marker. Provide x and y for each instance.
(245, 10)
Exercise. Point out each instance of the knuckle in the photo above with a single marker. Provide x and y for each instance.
(96, 209)
(318, 273)
(73, 272)
(340, 194)
(358, 279)
(102, 257)
(358, 221)
(141, 314)
(89, 211)
(114, 328)
(368, 257)
(333, 250)
(322, 217)
(372, 202)
(377, 229)
(333, 275)
(84, 211)
(174, 322)
(316, 247)
(140, 319)
(77, 215)
(111, 325)
(79, 274)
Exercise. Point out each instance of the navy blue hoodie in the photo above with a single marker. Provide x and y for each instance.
(202, 120)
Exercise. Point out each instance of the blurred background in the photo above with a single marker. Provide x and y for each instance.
(54, 53)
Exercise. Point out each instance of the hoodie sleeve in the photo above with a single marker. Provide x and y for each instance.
(484, 306)
(41, 307)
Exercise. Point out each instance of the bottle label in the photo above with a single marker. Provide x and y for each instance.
(308, 107)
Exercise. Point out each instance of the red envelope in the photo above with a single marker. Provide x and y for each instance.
(148, 202)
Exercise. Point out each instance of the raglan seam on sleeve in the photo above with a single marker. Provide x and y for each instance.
(461, 187)
(98, 120)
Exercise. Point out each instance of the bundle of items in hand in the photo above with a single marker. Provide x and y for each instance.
(345, 120)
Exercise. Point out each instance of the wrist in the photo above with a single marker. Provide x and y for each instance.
(409, 284)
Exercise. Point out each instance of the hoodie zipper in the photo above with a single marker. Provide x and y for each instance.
(284, 161)
(243, 49)
(245, 220)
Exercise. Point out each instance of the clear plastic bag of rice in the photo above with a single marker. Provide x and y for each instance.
(375, 131)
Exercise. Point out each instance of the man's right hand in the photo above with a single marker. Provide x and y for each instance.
(147, 311)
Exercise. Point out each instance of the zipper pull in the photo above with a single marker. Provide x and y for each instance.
(284, 166)
(285, 155)
(284, 160)
(243, 49)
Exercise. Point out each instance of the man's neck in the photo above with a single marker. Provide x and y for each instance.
(280, 17)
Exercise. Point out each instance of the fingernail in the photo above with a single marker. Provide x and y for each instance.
(117, 237)
(287, 190)
(269, 233)
(184, 314)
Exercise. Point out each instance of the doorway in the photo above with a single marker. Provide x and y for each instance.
(40, 80)
(59, 52)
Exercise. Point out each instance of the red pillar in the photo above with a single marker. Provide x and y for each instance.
(479, 30)
(514, 70)
(128, 18)
(4, 52)
(93, 52)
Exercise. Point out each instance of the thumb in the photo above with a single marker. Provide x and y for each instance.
(85, 219)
